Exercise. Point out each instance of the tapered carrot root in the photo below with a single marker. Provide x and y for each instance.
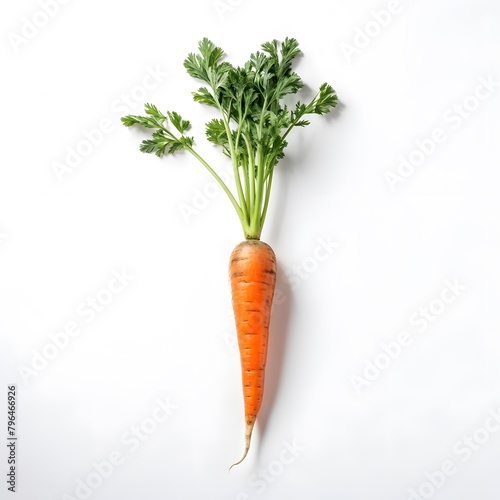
(250, 421)
(252, 272)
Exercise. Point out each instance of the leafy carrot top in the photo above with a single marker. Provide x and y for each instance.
(253, 125)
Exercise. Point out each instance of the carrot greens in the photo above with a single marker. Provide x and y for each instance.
(253, 123)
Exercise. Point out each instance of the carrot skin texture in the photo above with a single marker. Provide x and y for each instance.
(252, 272)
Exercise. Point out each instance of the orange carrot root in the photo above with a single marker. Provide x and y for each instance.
(252, 273)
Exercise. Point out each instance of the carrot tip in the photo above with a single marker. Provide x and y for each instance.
(250, 421)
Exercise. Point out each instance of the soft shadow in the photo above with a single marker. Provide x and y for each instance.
(335, 113)
(276, 352)
(281, 312)
(274, 222)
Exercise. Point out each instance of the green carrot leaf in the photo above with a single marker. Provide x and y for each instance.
(253, 122)
(177, 121)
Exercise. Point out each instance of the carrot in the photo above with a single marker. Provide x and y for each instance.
(252, 272)
(252, 130)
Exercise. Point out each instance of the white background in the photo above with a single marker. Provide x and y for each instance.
(169, 334)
